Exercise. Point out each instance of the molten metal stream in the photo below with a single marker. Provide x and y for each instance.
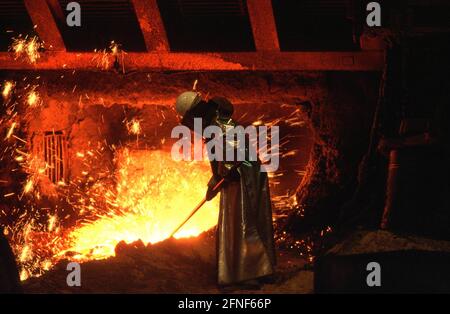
(158, 193)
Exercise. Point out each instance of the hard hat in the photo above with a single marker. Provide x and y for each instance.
(186, 101)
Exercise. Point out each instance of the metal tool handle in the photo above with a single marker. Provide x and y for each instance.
(203, 201)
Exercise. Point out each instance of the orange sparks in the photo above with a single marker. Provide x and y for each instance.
(28, 186)
(52, 221)
(155, 194)
(32, 49)
(151, 196)
(28, 47)
(24, 275)
(33, 98)
(104, 57)
(26, 254)
(11, 130)
(134, 127)
(7, 89)
(18, 46)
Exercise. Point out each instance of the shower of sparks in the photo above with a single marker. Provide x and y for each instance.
(104, 57)
(27, 47)
(285, 203)
(145, 198)
(7, 89)
(33, 98)
(18, 46)
(307, 246)
(52, 223)
(28, 186)
(153, 195)
(32, 49)
(134, 127)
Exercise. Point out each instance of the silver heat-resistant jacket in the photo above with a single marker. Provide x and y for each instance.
(245, 245)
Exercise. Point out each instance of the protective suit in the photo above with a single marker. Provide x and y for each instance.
(9, 276)
(244, 243)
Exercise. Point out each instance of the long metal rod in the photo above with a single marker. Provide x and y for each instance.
(203, 201)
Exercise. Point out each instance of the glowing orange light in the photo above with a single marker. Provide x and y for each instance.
(114, 47)
(7, 89)
(18, 46)
(27, 47)
(32, 49)
(52, 221)
(24, 275)
(33, 98)
(156, 193)
(28, 186)
(11, 130)
(134, 127)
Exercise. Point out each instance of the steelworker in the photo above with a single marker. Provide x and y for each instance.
(244, 244)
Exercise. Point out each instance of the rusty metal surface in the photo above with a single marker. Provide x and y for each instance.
(151, 25)
(261, 61)
(263, 25)
(45, 24)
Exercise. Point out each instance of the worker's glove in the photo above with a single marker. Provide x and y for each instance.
(228, 171)
(211, 193)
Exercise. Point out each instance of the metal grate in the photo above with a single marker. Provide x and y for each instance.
(53, 149)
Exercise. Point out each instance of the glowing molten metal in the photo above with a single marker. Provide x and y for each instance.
(156, 193)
